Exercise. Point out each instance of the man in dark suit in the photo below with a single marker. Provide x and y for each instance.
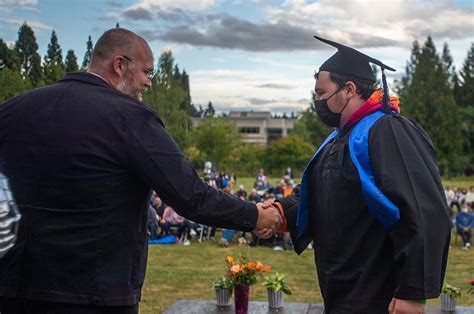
(82, 157)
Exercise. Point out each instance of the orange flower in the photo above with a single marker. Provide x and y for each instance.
(230, 260)
(258, 266)
(251, 265)
(266, 269)
(235, 269)
(241, 259)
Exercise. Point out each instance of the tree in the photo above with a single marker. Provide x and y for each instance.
(401, 86)
(428, 99)
(166, 97)
(210, 111)
(71, 61)
(464, 95)
(29, 59)
(291, 151)
(448, 67)
(245, 159)
(216, 138)
(12, 83)
(8, 56)
(53, 61)
(87, 54)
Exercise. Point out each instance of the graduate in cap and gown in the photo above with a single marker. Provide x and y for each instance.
(371, 198)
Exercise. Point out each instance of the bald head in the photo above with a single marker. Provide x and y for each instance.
(116, 41)
(124, 60)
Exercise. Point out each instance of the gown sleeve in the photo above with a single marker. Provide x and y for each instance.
(404, 165)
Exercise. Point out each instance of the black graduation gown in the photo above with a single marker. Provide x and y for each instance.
(360, 265)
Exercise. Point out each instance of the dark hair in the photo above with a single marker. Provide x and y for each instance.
(364, 89)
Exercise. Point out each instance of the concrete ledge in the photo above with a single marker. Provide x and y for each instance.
(261, 307)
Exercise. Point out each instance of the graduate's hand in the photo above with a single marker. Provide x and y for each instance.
(398, 306)
(268, 222)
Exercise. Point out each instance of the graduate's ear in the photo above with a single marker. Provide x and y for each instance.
(351, 89)
(119, 65)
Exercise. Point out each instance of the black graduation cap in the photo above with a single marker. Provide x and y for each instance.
(354, 64)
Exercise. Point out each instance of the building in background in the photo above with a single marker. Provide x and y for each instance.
(258, 127)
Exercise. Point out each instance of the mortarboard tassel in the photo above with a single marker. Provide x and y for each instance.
(386, 96)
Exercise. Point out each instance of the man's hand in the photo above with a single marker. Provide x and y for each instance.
(398, 306)
(268, 222)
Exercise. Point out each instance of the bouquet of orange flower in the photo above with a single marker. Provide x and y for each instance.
(244, 272)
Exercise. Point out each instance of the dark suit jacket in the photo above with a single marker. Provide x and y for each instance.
(81, 158)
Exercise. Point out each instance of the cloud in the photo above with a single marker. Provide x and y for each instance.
(225, 31)
(167, 10)
(406, 20)
(138, 14)
(275, 86)
(34, 24)
(20, 2)
(259, 101)
(114, 4)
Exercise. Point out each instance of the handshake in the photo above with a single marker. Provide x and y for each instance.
(270, 220)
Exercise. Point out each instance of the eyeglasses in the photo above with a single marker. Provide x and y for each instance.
(150, 73)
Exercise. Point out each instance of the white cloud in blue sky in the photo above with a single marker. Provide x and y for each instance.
(251, 54)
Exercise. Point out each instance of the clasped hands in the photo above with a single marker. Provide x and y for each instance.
(269, 220)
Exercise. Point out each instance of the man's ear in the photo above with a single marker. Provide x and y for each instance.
(119, 66)
(351, 89)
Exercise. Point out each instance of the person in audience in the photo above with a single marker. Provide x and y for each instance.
(464, 224)
(153, 222)
(241, 193)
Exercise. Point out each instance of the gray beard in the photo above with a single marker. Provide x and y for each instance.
(125, 87)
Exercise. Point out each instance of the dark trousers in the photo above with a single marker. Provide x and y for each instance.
(466, 236)
(24, 306)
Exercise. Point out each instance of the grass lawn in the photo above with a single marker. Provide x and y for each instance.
(186, 272)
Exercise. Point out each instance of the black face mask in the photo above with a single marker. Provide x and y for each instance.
(332, 119)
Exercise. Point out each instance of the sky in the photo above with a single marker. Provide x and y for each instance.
(252, 54)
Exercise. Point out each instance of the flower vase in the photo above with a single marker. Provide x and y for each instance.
(275, 299)
(241, 299)
(223, 297)
(447, 303)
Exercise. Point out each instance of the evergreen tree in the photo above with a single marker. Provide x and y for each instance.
(210, 111)
(11, 81)
(53, 61)
(8, 57)
(464, 94)
(29, 60)
(187, 105)
(401, 86)
(87, 55)
(428, 99)
(71, 61)
(166, 97)
(449, 69)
